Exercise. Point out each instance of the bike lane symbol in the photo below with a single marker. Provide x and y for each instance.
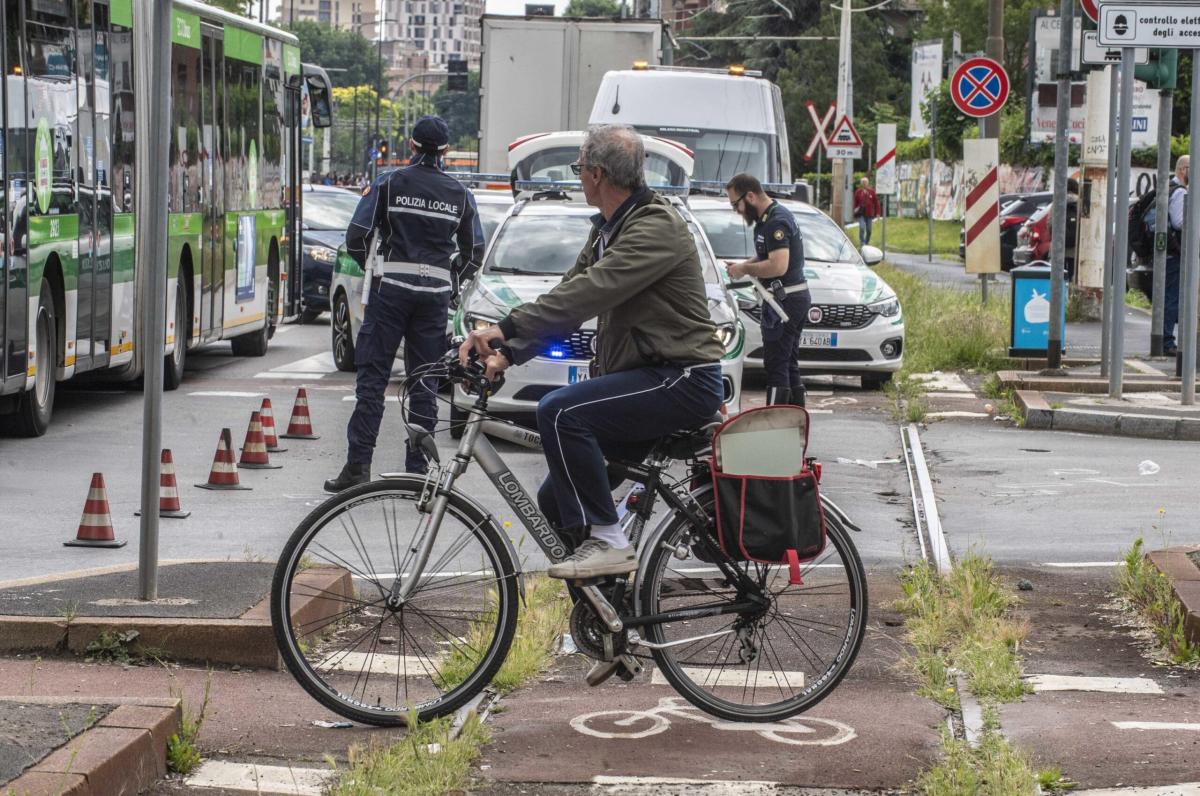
(633, 724)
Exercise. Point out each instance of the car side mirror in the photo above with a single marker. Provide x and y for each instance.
(872, 255)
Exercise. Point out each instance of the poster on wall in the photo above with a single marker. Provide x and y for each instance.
(246, 240)
(926, 75)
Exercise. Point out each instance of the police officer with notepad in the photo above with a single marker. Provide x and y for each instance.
(417, 217)
(778, 263)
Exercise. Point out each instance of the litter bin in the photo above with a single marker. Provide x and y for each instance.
(1029, 334)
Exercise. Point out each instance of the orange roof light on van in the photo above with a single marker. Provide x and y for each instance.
(737, 69)
(641, 65)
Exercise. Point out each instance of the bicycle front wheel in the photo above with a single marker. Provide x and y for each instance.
(762, 665)
(373, 663)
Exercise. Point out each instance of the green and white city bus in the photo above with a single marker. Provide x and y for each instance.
(72, 299)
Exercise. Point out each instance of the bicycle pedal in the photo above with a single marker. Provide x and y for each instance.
(630, 667)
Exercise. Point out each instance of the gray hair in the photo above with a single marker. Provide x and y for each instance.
(616, 148)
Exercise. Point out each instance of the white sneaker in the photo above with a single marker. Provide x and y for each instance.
(593, 559)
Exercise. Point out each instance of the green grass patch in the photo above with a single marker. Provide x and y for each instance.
(948, 329)
(962, 621)
(1005, 397)
(911, 236)
(1148, 590)
(183, 753)
(1136, 298)
(908, 399)
(994, 768)
(428, 762)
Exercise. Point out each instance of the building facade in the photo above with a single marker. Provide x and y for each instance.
(356, 15)
(439, 30)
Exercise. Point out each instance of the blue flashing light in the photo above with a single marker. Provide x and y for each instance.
(557, 353)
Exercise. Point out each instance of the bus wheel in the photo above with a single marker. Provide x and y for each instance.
(255, 343)
(173, 363)
(35, 406)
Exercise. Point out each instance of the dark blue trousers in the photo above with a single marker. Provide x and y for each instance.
(1170, 301)
(781, 343)
(618, 416)
(395, 315)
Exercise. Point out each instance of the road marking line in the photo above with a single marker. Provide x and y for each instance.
(260, 779)
(962, 396)
(1106, 685)
(382, 662)
(1156, 725)
(1144, 367)
(1182, 789)
(663, 786)
(317, 363)
(957, 414)
(392, 399)
(759, 679)
(272, 375)
(945, 382)
(1083, 564)
(226, 394)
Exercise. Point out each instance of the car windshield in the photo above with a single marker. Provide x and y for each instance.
(731, 239)
(329, 210)
(490, 216)
(537, 244)
(555, 165)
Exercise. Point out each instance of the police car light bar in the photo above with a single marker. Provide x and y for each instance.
(718, 187)
(575, 186)
(476, 177)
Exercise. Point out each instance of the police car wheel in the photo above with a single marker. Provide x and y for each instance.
(342, 334)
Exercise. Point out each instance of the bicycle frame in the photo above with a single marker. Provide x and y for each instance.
(476, 445)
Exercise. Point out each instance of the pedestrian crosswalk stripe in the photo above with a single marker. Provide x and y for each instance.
(254, 778)
(382, 662)
(226, 394)
(736, 678)
(1108, 685)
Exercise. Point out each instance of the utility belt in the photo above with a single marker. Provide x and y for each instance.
(386, 272)
(780, 291)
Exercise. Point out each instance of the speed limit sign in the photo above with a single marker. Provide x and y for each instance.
(1089, 8)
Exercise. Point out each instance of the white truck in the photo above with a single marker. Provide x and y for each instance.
(541, 74)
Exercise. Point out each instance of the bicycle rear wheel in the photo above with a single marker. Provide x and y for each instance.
(371, 663)
(765, 666)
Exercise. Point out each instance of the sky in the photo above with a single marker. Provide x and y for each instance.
(492, 6)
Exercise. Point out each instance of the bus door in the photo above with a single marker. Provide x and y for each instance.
(212, 202)
(85, 194)
(5, 232)
(14, 214)
(100, 172)
(292, 149)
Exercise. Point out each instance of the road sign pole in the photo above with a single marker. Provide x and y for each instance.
(150, 253)
(1110, 196)
(1062, 153)
(1190, 267)
(1166, 107)
(1116, 371)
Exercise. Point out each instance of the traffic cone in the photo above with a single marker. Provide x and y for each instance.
(168, 490)
(95, 526)
(224, 474)
(268, 424)
(254, 449)
(300, 424)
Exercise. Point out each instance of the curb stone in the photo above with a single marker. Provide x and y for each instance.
(1179, 566)
(1040, 415)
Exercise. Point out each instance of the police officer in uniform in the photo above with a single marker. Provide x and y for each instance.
(419, 215)
(778, 263)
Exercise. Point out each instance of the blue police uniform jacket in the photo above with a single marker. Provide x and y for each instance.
(424, 217)
(777, 229)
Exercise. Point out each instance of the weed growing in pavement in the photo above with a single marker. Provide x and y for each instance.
(539, 624)
(1148, 591)
(1136, 298)
(962, 621)
(1080, 307)
(428, 762)
(946, 328)
(183, 755)
(114, 646)
(1006, 404)
(1052, 780)
(908, 399)
(994, 768)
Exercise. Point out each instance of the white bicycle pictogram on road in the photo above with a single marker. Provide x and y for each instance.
(797, 731)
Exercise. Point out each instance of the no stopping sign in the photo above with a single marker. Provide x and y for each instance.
(979, 87)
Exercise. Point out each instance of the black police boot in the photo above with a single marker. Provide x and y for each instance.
(799, 394)
(414, 461)
(351, 475)
(778, 395)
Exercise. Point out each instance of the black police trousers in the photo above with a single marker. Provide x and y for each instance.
(781, 352)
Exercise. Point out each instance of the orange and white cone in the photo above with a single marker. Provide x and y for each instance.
(95, 526)
(254, 450)
(268, 424)
(300, 424)
(224, 474)
(168, 490)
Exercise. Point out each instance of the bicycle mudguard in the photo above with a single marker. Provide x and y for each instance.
(417, 482)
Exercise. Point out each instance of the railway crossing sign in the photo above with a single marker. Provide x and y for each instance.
(1089, 8)
(1094, 54)
(844, 142)
(820, 123)
(979, 87)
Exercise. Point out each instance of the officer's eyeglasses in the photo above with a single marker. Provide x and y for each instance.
(734, 204)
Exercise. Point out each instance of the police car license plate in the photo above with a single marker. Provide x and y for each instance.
(577, 373)
(818, 339)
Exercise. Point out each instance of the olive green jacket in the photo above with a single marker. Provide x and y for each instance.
(647, 293)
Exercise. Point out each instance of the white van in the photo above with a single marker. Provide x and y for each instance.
(731, 120)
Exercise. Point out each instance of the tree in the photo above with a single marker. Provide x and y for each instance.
(337, 49)
(593, 8)
(969, 18)
(239, 7)
(460, 109)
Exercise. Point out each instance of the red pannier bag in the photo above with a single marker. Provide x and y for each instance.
(768, 505)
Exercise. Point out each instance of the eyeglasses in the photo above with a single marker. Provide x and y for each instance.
(734, 204)
(577, 168)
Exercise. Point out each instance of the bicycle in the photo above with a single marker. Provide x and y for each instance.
(428, 628)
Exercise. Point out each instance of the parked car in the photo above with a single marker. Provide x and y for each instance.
(326, 215)
(347, 307)
(1015, 210)
(538, 242)
(1034, 236)
(855, 325)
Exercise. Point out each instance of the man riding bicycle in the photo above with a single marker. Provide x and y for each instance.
(656, 368)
